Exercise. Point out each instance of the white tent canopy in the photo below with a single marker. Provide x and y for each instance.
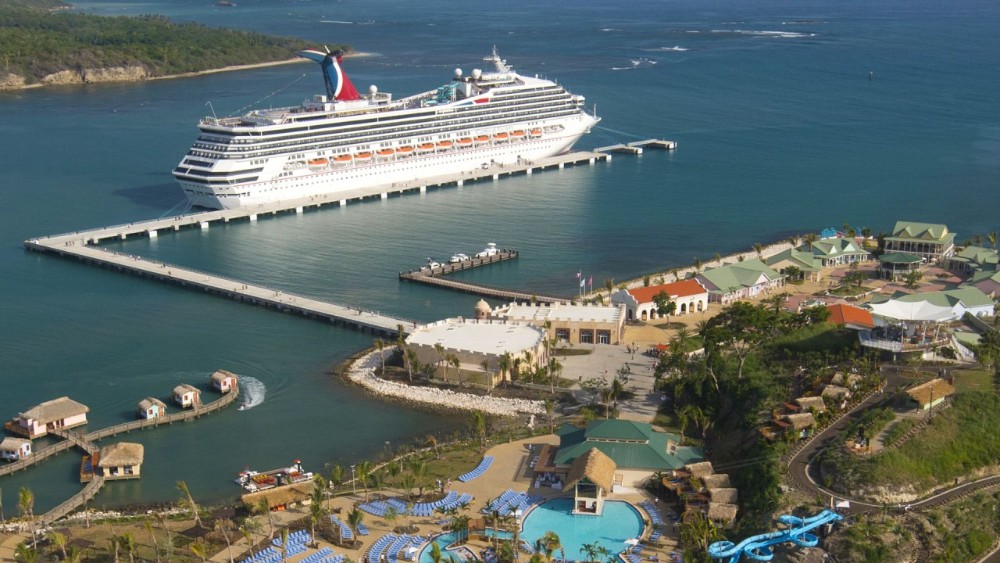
(914, 311)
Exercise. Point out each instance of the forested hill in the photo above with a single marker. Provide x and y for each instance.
(43, 46)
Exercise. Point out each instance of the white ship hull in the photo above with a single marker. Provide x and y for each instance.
(345, 146)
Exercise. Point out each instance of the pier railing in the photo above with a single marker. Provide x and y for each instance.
(35, 457)
(70, 504)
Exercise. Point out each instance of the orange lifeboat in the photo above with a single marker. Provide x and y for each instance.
(444, 145)
(385, 153)
(500, 137)
(482, 139)
(342, 159)
(318, 162)
(465, 142)
(363, 156)
(517, 135)
(535, 133)
(425, 147)
(405, 150)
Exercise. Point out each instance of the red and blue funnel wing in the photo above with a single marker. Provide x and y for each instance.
(338, 85)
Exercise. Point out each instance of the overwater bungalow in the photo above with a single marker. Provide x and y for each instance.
(120, 461)
(224, 381)
(151, 407)
(187, 396)
(57, 414)
(13, 449)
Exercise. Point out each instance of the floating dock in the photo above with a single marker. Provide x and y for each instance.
(435, 276)
(81, 245)
(635, 147)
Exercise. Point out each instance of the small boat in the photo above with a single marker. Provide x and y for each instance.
(444, 145)
(431, 264)
(385, 153)
(262, 480)
(465, 142)
(318, 162)
(342, 159)
(458, 258)
(482, 139)
(518, 135)
(490, 250)
(425, 147)
(535, 133)
(405, 150)
(500, 137)
(363, 157)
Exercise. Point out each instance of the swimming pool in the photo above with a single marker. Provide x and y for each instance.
(443, 541)
(619, 522)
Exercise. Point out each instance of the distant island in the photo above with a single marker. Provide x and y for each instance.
(41, 44)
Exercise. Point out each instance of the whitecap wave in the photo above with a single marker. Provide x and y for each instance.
(780, 34)
(607, 29)
(252, 390)
(675, 48)
(337, 21)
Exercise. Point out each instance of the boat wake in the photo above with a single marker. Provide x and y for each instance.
(675, 48)
(253, 391)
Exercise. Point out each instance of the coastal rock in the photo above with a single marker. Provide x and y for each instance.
(362, 372)
(11, 81)
(132, 73)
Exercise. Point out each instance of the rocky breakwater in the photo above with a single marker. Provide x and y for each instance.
(362, 372)
(94, 75)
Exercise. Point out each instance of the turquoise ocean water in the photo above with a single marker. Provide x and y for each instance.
(781, 126)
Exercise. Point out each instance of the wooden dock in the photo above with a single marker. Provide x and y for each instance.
(435, 276)
(81, 245)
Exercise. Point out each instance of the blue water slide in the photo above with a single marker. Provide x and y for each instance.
(758, 548)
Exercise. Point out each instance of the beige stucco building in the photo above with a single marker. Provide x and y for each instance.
(576, 324)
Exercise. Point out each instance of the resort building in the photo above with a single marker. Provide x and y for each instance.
(740, 280)
(838, 252)
(57, 414)
(224, 381)
(897, 266)
(473, 342)
(575, 324)
(934, 306)
(811, 404)
(797, 264)
(690, 296)
(13, 449)
(151, 407)
(799, 424)
(929, 241)
(187, 396)
(591, 476)
(972, 259)
(120, 461)
(987, 282)
(930, 394)
(849, 316)
(635, 449)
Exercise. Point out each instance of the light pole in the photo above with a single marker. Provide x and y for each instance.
(354, 483)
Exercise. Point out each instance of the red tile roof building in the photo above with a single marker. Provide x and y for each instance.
(689, 295)
(851, 317)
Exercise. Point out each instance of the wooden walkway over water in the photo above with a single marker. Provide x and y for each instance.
(81, 245)
(435, 276)
(635, 147)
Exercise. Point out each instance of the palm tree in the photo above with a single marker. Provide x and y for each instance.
(26, 553)
(697, 265)
(504, 364)
(759, 249)
(147, 523)
(432, 441)
(460, 523)
(337, 476)
(380, 346)
(550, 543)
(162, 517)
(810, 238)
(364, 471)
(455, 363)
(590, 551)
(554, 368)
(26, 505)
(410, 360)
(419, 470)
(284, 544)
(317, 513)
(127, 542)
(59, 540)
(606, 399)
(436, 556)
(200, 550)
(485, 364)
(74, 555)
(264, 508)
(439, 348)
(479, 425)
(617, 388)
(114, 545)
(248, 529)
(550, 409)
(354, 519)
(992, 237)
(604, 553)
(187, 501)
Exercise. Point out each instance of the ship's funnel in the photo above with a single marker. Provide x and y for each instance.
(338, 86)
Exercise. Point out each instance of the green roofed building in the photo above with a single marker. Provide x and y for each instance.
(637, 450)
(740, 280)
(927, 240)
(897, 265)
(811, 260)
(972, 259)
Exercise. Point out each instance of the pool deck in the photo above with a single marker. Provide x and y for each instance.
(510, 470)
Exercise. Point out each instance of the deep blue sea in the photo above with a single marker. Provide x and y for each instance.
(790, 117)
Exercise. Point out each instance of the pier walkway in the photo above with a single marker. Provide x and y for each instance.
(72, 503)
(635, 147)
(434, 276)
(81, 244)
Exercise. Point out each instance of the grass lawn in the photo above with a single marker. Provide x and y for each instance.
(972, 380)
(817, 338)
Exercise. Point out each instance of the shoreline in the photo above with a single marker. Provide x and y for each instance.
(360, 370)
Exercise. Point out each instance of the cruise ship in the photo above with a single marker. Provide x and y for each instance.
(344, 141)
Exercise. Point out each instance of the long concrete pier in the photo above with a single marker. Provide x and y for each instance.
(81, 245)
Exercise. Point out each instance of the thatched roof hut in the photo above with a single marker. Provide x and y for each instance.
(122, 454)
(716, 481)
(56, 409)
(800, 421)
(279, 497)
(934, 390)
(814, 403)
(836, 392)
(724, 496)
(596, 467)
(720, 512)
(145, 404)
(845, 379)
(699, 470)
